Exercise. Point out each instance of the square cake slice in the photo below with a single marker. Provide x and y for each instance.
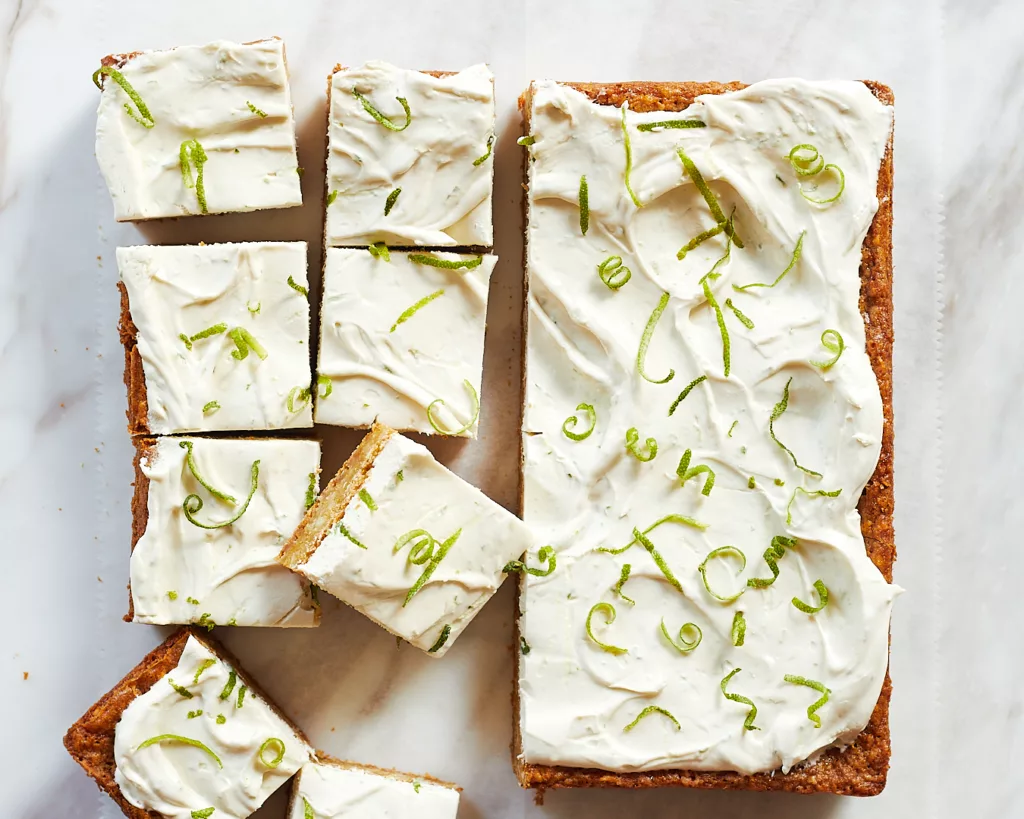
(332, 789)
(209, 518)
(402, 340)
(409, 157)
(187, 734)
(406, 542)
(216, 337)
(196, 130)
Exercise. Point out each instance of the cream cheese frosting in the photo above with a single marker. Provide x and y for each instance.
(442, 162)
(182, 572)
(579, 702)
(202, 701)
(233, 98)
(203, 382)
(343, 791)
(365, 562)
(388, 364)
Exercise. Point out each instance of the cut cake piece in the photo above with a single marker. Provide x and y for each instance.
(330, 788)
(187, 731)
(406, 542)
(188, 563)
(197, 130)
(402, 340)
(216, 337)
(409, 157)
(685, 221)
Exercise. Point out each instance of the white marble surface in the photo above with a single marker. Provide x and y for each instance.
(65, 459)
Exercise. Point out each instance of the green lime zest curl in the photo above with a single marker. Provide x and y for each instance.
(143, 117)
(743, 319)
(797, 252)
(632, 438)
(684, 645)
(817, 686)
(300, 394)
(686, 391)
(653, 709)
(422, 546)
(445, 264)
(822, 591)
(311, 490)
(229, 686)
(261, 114)
(748, 723)
(244, 341)
(806, 160)
(613, 273)
(190, 462)
(271, 744)
(408, 313)
(700, 239)
(445, 632)
(712, 201)
(835, 493)
(827, 200)
(389, 203)
(672, 124)
(569, 424)
(722, 552)
(684, 472)
(192, 153)
(607, 610)
(623, 577)
(546, 554)
(772, 555)
(182, 691)
(210, 406)
(832, 341)
(213, 330)
(720, 320)
(629, 157)
(298, 288)
(254, 310)
(324, 386)
(367, 498)
(434, 561)
(682, 520)
(379, 250)
(738, 632)
(583, 198)
(377, 115)
(490, 147)
(193, 504)
(474, 412)
(777, 412)
(203, 813)
(645, 341)
(195, 743)
(205, 664)
(659, 561)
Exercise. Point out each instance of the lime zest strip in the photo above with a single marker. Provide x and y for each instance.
(644, 541)
(797, 252)
(408, 313)
(331, 197)
(608, 611)
(192, 153)
(367, 498)
(822, 591)
(195, 743)
(298, 288)
(772, 555)
(268, 744)
(583, 198)
(432, 564)
(684, 471)
(686, 392)
(389, 203)
(806, 160)
(683, 646)
(613, 273)
(182, 690)
(672, 123)
(445, 632)
(546, 554)
(193, 504)
(345, 533)
(836, 195)
(777, 412)
(377, 115)
(300, 394)
(474, 413)
(490, 146)
(645, 341)
(422, 546)
(261, 114)
(244, 341)
(323, 381)
(632, 438)
(748, 723)
(832, 341)
(817, 686)
(722, 552)
(526, 141)
(731, 428)
(239, 701)
(653, 709)
(210, 406)
(205, 664)
(307, 809)
(709, 197)
(623, 577)
(143, 117)
(683, 520)
(743, 319)
(720, 320)
(629, 157)
(445, 264)
(570, 423)
(311, 490)
(213, 330)
(203, 813)
(229, 686)
(699, 239)
(738, 632)
(190, 462)
(379, 250)
(835, 493)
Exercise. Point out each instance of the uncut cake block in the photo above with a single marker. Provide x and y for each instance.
(216, 337)
(186, 734)
(402, 340)
(406, 542)
(197, 130)
(188, 564)
(332, 789)
(409, 157)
